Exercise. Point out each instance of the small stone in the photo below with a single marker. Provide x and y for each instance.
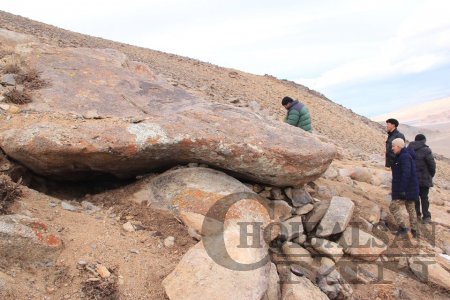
(82, 262)
(102, 271)
(288, 192)
(257, 188)
(67, 206)
(277, 194)
(169, 241)
(5, 106)
(89, 206)
(91, 114)
(9, 79)
(296, 270)
(303, 210)
(128, 227)
(155, 233)
(135, 251)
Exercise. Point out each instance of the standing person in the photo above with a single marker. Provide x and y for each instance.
(393, 133)
(405, 187)
(425, 169)
(298, 114)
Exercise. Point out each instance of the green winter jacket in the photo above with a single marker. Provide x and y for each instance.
(298, 115)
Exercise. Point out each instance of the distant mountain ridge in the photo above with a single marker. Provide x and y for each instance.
(430, 118)
(426, 114)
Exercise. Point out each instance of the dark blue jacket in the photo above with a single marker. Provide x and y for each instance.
(404, 178)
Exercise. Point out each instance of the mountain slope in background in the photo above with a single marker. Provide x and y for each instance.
(428, 115)
(431, 119)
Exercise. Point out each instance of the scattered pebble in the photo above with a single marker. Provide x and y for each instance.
(67, 206)
(169, 241)
(82, 262)
(102, 271)
(128, 227)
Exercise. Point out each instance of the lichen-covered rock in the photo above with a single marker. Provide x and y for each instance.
(141, 123)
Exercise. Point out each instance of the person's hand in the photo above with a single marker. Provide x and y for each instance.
(403, 196)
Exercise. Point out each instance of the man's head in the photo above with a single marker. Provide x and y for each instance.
(420, 137)
(391, 125)
(397, 145)
(286, 101)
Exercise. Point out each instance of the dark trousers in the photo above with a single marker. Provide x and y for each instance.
(423, 203)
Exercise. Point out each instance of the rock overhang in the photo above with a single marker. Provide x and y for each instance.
(142, 124)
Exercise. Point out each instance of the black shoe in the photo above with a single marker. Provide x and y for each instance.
(402, 232)
(426, 220)
(414, 233)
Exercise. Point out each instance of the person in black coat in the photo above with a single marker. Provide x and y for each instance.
(393, 133)
(425, 169)
(405, 187)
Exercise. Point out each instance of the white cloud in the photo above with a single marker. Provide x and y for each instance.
(422, 42)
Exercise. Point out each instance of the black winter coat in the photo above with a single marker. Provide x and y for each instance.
(425, 163)
(404, 179)
(390, 156)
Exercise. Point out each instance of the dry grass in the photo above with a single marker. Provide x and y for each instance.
(24, 75)
(9, 191)
(13, 65)
(30, 78)
(101, 288)
(17, 97)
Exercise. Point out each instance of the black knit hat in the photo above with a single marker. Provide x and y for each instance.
(420, 137)
(286, 100)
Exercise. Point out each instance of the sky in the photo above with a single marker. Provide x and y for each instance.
(370, 56)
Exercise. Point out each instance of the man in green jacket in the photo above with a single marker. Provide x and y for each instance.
(298, 114)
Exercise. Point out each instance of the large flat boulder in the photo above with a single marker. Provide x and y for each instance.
(203, 275)
(193, 190)
(428, 270)
(103, 114)
(337, 217)
(361, 244)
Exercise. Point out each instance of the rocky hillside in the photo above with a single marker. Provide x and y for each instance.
(128, 173)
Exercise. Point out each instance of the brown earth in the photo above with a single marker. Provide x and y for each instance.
(138, 260)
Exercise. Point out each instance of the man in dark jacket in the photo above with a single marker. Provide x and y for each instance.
(298, 114)
(405, 187)
(393, 133)
(425, 169)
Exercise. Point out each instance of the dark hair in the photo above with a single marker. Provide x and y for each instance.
(420, 137)
(286, 100)
(392, 121)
